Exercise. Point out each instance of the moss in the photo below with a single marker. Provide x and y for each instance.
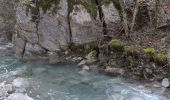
(149, 51)
(160, 58)
(129, 50)
(90, 6)
(116, 44)
(81, 49)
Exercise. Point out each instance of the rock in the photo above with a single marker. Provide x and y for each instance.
(53, 29)
(157, 85)
(91, 57)
(79, 58)
(53, 58)
(5, 90)
(148, 70)
(86, 68)
(165, 82)
(85, 27)
(66, 52)
(19, 45)
(33, 51)
(83, 62)
(111, 18)
(25, 28)
(114, 71)
(19, 96)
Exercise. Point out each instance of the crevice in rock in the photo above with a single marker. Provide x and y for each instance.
(68, 17)
(23, 52)
(101, 16)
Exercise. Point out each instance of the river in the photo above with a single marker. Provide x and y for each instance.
(41, 81)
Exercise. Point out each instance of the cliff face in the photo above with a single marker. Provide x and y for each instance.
(44, 28)
(73, 22)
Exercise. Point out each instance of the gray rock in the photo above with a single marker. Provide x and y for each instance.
(91, 57)
(165, 82)
(114, 71)
(5, 90)
(148, 70)
(54, 30)
(34, 51)
(84, 27)
(86, 68)
(53, 58)
(83, 62)
(19, 45)
(111, 18)
(25, 28)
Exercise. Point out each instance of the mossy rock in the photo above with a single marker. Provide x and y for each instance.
(149, 51)
(82, 49)
(116, 44)
(129, 50)
(160, 58)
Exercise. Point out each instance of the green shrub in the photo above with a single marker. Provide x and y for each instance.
(160, 58)
(116, 44)
(149, 51)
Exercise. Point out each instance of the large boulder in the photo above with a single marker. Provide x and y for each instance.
(111, 17)
(85, 26)
(53, 29)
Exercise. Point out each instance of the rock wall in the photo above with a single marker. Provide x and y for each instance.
(76, 22)
(44, 28)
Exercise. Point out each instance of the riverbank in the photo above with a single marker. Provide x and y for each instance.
(39, 80)
(144, 58)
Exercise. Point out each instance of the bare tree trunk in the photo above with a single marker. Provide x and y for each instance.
(134, 15)
(124, 14)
